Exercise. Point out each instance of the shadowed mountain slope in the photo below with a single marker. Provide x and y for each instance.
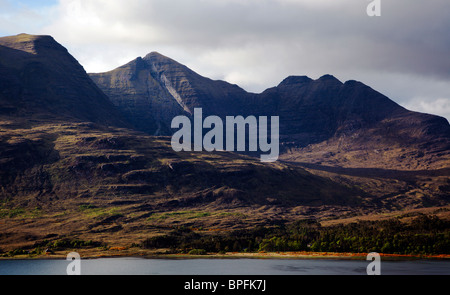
(40, 80)
(152, 90)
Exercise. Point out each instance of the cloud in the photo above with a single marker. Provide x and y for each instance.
(438, 106)
(257, 43)
(337, 33)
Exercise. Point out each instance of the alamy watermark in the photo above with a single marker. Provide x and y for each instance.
(374, 268)
(374, 8)
(74, 267)
(236, 129)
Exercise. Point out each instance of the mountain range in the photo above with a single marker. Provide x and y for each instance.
(88, 155)
(150, 91)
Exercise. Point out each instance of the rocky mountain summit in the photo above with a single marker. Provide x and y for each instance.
(152, 90)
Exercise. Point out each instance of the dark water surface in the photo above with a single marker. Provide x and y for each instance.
(140, 266)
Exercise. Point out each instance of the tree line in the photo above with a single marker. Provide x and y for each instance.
(425, 234)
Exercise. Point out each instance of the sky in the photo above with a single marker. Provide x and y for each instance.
(404, 53)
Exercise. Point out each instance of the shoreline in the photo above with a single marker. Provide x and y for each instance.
(147, 254)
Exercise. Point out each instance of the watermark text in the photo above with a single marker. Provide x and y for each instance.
(236, 129)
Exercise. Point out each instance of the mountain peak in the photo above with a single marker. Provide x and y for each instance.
(154, 55)
(329, 78)
(40, 79)
(299, 80)
(295, 80)
(33, 44)
(160, 61)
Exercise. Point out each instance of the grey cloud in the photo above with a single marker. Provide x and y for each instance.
(410, 36)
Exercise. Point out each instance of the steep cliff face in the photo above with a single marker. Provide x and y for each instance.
(40, 80)
(352, 125)
(316, 110)
(191, 90)
(152, 90)
(143, 99)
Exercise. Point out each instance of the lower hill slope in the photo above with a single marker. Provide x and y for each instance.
(103, 183)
